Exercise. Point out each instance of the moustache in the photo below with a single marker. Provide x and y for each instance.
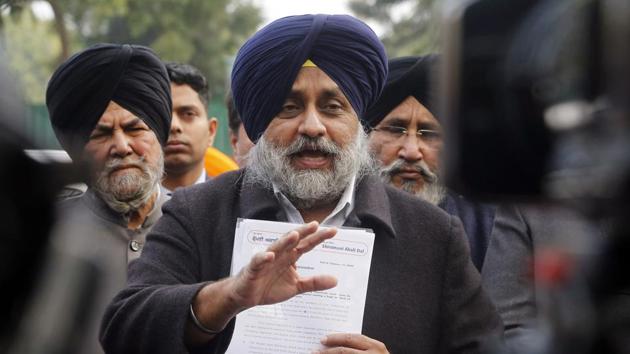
(303, 143)
(115, 164)
(420, 167)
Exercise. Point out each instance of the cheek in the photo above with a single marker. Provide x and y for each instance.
(149, 147)
(243, 146)
(385, 153)
(198, 127)
(343, 131)
(282, 132)
(96, 153)
(432, 158)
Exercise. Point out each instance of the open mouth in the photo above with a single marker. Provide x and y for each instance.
(311, 159)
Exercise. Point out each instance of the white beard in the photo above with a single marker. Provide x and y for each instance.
(125, 193)
(433, 191)
(307, 188)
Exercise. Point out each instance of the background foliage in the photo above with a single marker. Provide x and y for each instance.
(411, 27)
(204, 33)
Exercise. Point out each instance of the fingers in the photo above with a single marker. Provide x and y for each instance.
(260, 259)
(303, 239)
(352, 341)
(339, 350)
(311, 241)
(284, 243)
(307, 229)
(291, 238)
(316, 283)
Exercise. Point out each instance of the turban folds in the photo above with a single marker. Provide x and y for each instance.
(408, 76)
(266, 66)
(81, 88)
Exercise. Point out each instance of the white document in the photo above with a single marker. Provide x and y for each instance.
(298, 324)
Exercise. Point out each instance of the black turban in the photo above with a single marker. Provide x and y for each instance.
(81, 88)
(408, 76)
(266, 66)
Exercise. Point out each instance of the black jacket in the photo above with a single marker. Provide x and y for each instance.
(424, 294)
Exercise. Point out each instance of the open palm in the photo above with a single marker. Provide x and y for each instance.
(271, 276)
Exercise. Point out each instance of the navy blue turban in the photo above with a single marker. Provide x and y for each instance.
(81, 88)
(266, 66)
(408, 76)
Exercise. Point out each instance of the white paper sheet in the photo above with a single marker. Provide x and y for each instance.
(298, 324)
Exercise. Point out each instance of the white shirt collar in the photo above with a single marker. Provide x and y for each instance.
(336, 218)
(200, 179)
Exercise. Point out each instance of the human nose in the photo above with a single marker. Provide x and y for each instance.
(410, 150)
(311, 124)
(175, 124)
(120, 145)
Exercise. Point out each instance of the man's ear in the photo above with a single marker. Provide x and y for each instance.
(212, 130)
(233, 141)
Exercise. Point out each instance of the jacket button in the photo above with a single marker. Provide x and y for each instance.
(135, 246)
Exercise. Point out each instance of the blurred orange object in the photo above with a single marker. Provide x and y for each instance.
(217, 162)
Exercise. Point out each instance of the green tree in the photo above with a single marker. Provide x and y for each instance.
(28, 44)
(411, 27)
(202, 33)
(205, 34)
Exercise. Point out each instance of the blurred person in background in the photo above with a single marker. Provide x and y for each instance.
(407, 138)
(110, 107)
(238, 137)
(192, 130)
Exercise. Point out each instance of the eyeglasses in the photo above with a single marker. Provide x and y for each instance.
(431, 138)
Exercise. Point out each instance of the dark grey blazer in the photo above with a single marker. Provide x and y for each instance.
(520, 232)
(424, 294)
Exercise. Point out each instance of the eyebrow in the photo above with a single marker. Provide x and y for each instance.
(102, 127)
(397, 122)
(131, 123)
(333, 93)
(327, 93)
(186, 107)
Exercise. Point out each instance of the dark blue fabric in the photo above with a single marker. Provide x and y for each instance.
(266, 66)
(81, 88)
(478, 221)
(408, 76)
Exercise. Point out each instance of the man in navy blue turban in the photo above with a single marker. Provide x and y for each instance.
(268, 63)
(301, 86)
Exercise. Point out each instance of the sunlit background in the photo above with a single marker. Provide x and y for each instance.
(38, 35)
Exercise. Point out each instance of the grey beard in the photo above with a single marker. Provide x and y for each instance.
(128, 193)
(433, 191)
(308, 188)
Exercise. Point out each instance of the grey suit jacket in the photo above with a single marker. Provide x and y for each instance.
(519, 233)
(424, 294)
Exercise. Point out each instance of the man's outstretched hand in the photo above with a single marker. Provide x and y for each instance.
(270, 277)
